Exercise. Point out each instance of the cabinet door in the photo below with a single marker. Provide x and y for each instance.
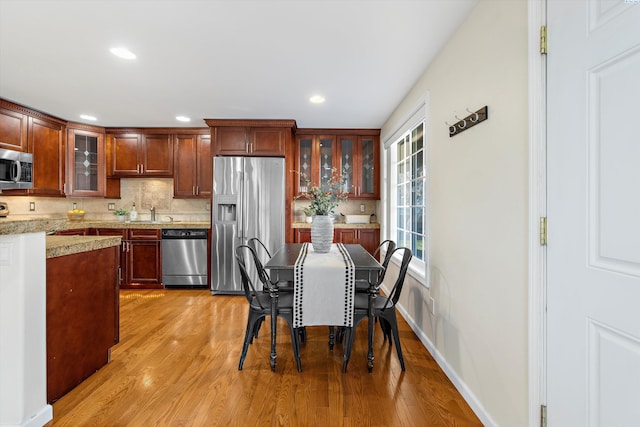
(124, 154)
(144, 264)
(345, 235)
(46, 142)
(157, 155)
(369, 238)
(231, 141)
(267, 141)
(368, 163)
(86, 164)
(316, 157)
(184, 175)
(302, 235)
(13, 130)
(204, 167)
(359, 163)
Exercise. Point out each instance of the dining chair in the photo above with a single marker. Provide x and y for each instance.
(373, 306)
(362, 286)
(264, 255)
(263, 304)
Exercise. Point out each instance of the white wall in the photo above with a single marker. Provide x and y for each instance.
(478, 212)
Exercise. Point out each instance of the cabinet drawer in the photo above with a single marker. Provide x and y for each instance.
(144, 234)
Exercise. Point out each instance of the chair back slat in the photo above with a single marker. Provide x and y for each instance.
(391, 246)
(259, 248)
(394, 294)
(250, 291)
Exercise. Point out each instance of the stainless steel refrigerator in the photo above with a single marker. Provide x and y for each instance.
(248, 201)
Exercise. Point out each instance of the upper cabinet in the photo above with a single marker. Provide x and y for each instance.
(250, 137)
(192, 175)
(13, 130)
(354, 153)
(46, 140)
(359, 160)
(139, 153)
(316, 157)
(86, 161)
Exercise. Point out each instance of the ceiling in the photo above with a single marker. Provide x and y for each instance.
(220, 58)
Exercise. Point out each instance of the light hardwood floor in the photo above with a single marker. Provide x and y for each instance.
(177, 365)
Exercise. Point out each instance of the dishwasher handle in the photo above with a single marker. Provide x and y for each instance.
(184, 233)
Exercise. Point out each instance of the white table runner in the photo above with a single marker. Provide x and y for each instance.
(323, 287)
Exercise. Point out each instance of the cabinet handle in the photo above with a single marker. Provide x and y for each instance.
(197, 190)
(120, 275)
(193, 190)
(141, 168)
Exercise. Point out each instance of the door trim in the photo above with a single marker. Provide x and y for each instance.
(537, 209)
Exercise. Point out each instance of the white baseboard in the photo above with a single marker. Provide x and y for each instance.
(458, 383)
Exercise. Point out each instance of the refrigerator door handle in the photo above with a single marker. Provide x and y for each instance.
(245, 202)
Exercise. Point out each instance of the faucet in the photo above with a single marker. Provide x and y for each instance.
(153, 213)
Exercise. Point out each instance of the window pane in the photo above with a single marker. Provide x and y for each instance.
(417, 193)
(417, 246)
(400, 172)
(400, 191)
(326, 162)
(403, 220)
(401, 150)
(416, 218)
(419, 164)
(417, 138)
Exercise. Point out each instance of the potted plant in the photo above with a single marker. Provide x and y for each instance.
(120, 213)
(324, 200)
(309, 212)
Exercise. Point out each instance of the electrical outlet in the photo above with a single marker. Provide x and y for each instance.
(432, 303)
(74, 206)
(32, 206)
(207, 207)
(111, 206)
(362, 207)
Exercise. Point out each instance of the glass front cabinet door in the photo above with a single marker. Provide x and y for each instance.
(359, 160)
(86, 164)
(315, 160)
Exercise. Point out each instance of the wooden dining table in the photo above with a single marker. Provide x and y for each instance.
(281, 268)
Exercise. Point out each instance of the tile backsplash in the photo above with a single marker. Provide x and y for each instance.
(145, 192)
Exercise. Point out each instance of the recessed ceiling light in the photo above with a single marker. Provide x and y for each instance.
(183, 119)
(88, 117)
(317, 99)
(122, 52)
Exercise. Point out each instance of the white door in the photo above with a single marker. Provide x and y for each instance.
(593, 146)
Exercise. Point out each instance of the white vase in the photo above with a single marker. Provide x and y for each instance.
(121, 218)
(308, 219)
(322, 233)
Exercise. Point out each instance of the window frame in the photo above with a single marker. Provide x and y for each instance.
(418, 269)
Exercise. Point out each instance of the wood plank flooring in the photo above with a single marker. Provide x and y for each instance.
(176, 365)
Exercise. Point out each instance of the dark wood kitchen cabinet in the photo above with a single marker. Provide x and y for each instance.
(193, 174)
(250, 137)
(369, 238)
(354, 153)
(141, 259)
(46, 141)
(86, 162)
(82, 315)
(13, 129)
(43, 136)
(139, 153)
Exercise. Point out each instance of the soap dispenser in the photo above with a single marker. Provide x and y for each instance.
(133, 215)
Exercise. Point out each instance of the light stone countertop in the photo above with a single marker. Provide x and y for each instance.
(338, 225)
(68, 245)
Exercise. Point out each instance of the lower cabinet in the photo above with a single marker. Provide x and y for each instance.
(369, 238)
(140, 264)
(82, 316)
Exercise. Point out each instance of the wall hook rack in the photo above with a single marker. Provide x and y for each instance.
(469, 121)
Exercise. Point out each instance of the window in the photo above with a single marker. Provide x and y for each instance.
(407, 190)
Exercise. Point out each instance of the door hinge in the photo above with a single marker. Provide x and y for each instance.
(543, 415)
(543, 230)
(543, 40)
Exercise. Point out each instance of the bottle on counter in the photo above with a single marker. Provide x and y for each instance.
(133, 215)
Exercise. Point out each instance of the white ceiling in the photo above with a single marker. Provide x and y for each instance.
(220, 58)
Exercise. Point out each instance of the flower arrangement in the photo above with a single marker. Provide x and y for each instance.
(120, 212)
(323, 200)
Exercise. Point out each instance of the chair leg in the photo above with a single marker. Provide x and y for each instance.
(331, 337)
(370, 343)
(393, 323)
(252, 321)
(295, 343)
(348, 339)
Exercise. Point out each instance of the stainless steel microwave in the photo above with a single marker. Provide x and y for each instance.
(16, 169)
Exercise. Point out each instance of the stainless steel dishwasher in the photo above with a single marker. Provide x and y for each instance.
(184, 257)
